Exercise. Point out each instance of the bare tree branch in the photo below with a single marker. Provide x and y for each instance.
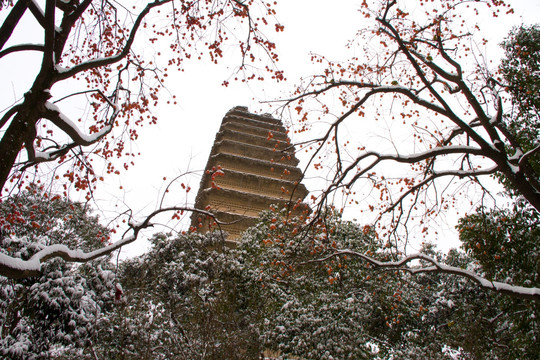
(424, 59)
(63, 74)
(12, 20)
(23, 47)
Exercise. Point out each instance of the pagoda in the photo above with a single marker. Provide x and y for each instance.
(251, 166)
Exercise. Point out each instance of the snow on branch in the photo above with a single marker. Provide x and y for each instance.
(17, 268)
(37, 11)
(54, 114)
(436, 267)
(414, 158)
(528, 154)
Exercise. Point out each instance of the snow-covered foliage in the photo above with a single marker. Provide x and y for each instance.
(504, 246)
(521, 71)
(345, 309)
(184, 299)
(60, 308)
(310, 318)
(44, 316)
(505, 242)
(56, 220)
(278, 292)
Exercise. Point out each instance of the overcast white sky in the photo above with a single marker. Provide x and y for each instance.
(182, 138)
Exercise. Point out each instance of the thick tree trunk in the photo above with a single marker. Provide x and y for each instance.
(12, 143)
(21, 131)
(525, 188)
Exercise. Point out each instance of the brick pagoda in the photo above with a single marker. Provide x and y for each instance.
(251, 166)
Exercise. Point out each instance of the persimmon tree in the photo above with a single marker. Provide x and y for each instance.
(410, 128)
(91, 57)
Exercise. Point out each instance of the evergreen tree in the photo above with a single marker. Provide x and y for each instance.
(47, 315)
(183, 299)
(504, 242)
(521, 72)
